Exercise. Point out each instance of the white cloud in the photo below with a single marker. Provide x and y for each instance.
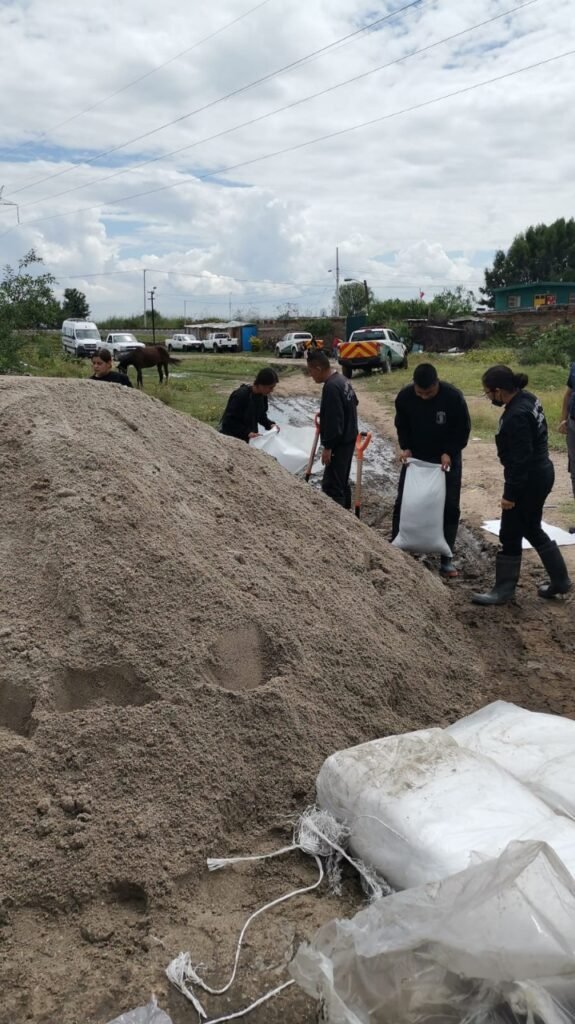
(398, 197)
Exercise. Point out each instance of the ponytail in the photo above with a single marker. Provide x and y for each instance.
(503, 377)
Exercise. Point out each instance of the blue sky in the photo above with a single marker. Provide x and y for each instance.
(418, 200)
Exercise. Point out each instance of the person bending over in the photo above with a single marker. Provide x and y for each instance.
(247, 407)
(102, 367)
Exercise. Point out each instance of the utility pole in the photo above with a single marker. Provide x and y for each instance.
(336, 281)
(153, 316)
(6, 202)
(366, 297)
(145, 300)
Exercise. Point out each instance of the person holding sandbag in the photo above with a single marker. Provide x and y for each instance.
(433, 425)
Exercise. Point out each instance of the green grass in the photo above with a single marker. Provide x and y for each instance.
(202, 394)
(548, 383)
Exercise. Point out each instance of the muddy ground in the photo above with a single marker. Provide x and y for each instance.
(529, 645)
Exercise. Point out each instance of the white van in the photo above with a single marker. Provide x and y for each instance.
(80, 338)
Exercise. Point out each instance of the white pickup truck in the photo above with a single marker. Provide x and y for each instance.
(220, 341)
(121, 342)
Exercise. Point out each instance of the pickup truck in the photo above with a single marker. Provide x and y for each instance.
(220, 341)
(121, 342)
(184, 343)
(372, 348)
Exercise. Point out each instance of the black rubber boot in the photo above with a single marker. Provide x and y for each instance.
(507, 569)
(554, 562)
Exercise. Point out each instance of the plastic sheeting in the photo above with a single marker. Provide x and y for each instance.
(561, 537)
(494, 944)
(290, 446)
(535, 748)
(422, 508)
(420, 807)
(149, 1014)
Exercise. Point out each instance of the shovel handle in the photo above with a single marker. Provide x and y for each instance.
(361, 443)
(309, 466)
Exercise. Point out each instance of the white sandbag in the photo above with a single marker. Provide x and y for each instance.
(492, 944)
(422, 508)
(421, 808)
(149, 1014)
(538, 749)
(290, 446)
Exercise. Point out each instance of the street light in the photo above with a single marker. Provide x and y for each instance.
(153, 315)
(353, 280)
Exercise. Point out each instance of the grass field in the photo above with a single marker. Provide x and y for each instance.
(548, 383)
(200, 384)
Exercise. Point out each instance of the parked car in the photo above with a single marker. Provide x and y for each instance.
(80, 338)
(184, 343)
(293, 344)
(220, 341)
(372, 348)
(120, 342)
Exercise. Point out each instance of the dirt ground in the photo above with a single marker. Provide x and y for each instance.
(528, 647)
(129, 757)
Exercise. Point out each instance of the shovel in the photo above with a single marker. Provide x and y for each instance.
(311, 460)
(361, 444)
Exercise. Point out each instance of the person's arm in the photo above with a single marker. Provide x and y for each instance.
(331, 418)
(403, 426)
(567, 400)
(518, 454)
(460, 427)
(264, 419)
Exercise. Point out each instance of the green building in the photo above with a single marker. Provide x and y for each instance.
(531, 296)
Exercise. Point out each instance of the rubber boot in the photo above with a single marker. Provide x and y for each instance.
(554, 562)
(507, 569)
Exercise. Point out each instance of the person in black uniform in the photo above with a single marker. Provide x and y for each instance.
(432, 423)
(337, 426)
(528, 475)
(248, 407)
(102, 367)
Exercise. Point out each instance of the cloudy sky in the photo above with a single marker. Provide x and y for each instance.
(230, 147)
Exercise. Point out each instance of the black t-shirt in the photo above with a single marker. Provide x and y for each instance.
(432, 427)
(522, 443)
(114, 378)
(244, 411)
(337, 412)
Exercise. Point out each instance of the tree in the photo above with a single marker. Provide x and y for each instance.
(354, 297)
(544, 252)
(452, 302)
(26, 301)
(75, 305)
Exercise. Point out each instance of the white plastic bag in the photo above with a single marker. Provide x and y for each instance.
(290, 446)
(495, 943)
(421, 808)
(537, 749)
(422, 508)
(149, 1014)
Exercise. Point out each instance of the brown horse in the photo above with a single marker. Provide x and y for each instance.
(142, 358)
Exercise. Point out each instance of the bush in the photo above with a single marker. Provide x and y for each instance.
(257, 344)
(555, 346)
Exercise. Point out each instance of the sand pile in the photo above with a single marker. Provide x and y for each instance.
(185, 632)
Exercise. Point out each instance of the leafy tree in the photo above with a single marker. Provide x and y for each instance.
(354, 297)
(544, 252)
(448, 303)
(26, 301)
(320, 327)
(396, 310)
(75, 305)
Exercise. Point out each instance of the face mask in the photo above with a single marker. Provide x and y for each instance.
(497, 402)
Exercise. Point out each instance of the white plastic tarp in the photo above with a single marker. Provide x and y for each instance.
(290, 446)
(561, 537)
(420, 807)
(537, 749)
(494, 944)
(149, 1014)
(422, 508)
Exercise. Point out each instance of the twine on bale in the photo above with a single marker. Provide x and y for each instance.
(316, 833)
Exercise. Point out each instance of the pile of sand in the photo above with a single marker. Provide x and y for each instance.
(185, 632)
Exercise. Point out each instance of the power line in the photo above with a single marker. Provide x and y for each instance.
(221, 99)
(279, 110)
(302, 145)
(148, 74)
